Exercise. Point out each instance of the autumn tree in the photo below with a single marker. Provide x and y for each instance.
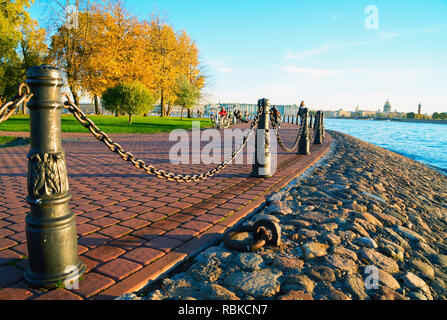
(131, 98)
(162, 47)
(113, 46)
(68, 49)
(115, 51)
(22, 45)
(187, 94)
(188, 60)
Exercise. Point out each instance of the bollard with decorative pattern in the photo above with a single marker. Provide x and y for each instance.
(304, 142)
(318, 138)
(50, 225)
(262, 164)
(322, 125)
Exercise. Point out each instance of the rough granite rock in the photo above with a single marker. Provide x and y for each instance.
(314, 249)
(424, 268)
(388, 280)
(295, 295)
(288, 264)
(407, 233)
(217, 292)
(299, 281)
(343, 264)
(258, 284)
(379, 260)
(249, 261)
(321, 273)
(356, 285)
(413, 282)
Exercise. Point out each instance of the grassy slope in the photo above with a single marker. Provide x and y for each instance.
(112, 124)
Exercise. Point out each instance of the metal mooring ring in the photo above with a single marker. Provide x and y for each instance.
(268, 229)
(242, 245)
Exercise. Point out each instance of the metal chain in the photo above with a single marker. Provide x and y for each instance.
(140, 164)
(275, 126)
(8, 108)
(238, 115)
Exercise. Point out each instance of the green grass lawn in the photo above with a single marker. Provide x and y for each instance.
(112, 124)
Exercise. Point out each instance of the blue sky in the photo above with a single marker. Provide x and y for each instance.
(317, 51)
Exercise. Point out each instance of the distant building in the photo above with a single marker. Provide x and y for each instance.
(363, 113)
(387, 107)
(338, 114)
(419, 108)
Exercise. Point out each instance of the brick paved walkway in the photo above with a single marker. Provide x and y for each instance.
(132, 227)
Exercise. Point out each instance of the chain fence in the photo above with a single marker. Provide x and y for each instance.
(140, 164)
(8, 108)
(275, 119)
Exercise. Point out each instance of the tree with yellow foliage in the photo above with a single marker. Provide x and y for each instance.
(163, 49)
(113, 46)
(115, 51)
(68, 51)
(22, 45)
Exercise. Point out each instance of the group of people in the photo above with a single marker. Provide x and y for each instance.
(275, 111)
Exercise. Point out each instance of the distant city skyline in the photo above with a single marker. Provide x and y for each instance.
(331, 54)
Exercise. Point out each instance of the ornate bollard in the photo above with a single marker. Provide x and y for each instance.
(262, 164)
(304, 143)
(318, 138)
(322, 124)
(50, 225)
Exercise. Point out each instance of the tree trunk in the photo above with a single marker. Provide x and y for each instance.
(182, 114)
(162, 105)
(75, 97)
(130, 118)
(189, 113)
(95, 100)
(169, 109)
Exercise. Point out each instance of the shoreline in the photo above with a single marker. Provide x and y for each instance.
(396, 120)
(362, 206)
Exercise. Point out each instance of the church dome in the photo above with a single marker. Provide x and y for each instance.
(387, 107)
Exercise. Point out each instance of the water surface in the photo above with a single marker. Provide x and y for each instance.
(423, 142)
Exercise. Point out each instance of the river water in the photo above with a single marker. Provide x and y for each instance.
(423, 142)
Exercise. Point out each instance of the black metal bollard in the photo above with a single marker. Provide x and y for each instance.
(318, 138)
(304, 142)
(322, 125)
(262, 164)
(50, 225)
(310, 122)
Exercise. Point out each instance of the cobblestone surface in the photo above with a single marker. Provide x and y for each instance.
(365, 224)
(132, 227)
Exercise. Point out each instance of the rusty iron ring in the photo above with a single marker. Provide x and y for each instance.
(241, 245)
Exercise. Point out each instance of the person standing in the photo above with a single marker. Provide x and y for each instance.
(301, 109)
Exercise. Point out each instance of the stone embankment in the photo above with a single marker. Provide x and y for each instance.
(365, 224)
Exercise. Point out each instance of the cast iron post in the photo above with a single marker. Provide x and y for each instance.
(262, 164)
(322, 125)
(304, 142)
(318, 139)
(50, 225)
